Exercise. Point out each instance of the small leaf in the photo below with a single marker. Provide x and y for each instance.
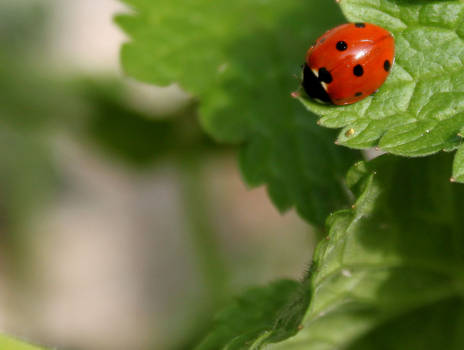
(240, 59)
(420, 108)
(251, 314)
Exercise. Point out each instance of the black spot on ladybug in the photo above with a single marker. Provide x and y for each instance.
(313, 87)
(358, 70)
(324, 75)
(341, 46)
(360, 25)
(358, 94)
(386, 65)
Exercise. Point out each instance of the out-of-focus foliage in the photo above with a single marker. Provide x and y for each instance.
(22, 26)
(40, 108)
(8, 343)
(28, 103)
(122, 131)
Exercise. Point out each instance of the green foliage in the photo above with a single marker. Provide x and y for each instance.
(390, 273)
(28, 105)
(23, 191)
(7, 343)
(239, 58)
(30, 99)
(238, 326)
(125, 133)
(419, 110)
(22, 25)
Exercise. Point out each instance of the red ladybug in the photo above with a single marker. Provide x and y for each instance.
(348, 63)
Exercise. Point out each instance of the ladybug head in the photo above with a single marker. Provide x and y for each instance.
(313, 86)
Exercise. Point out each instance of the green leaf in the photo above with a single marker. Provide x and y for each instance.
(390, 274)
(7, 343)
(420, 108)
(239, 58)
(252, 313)
(458, 166)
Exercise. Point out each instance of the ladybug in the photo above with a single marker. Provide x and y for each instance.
(348, 63)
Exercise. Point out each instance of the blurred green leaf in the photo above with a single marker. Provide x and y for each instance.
(113, 124)
(238, 57)
(22, 25)
(419, 110)
(31, 99)
(28, 182)
(7, 343)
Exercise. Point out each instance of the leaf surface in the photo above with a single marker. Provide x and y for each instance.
(420, 109)
(240, 59)
(238, 325)
(390, 273)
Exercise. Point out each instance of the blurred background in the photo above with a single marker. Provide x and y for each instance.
(122, 225)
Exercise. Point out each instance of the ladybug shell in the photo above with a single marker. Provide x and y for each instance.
(348, 63)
